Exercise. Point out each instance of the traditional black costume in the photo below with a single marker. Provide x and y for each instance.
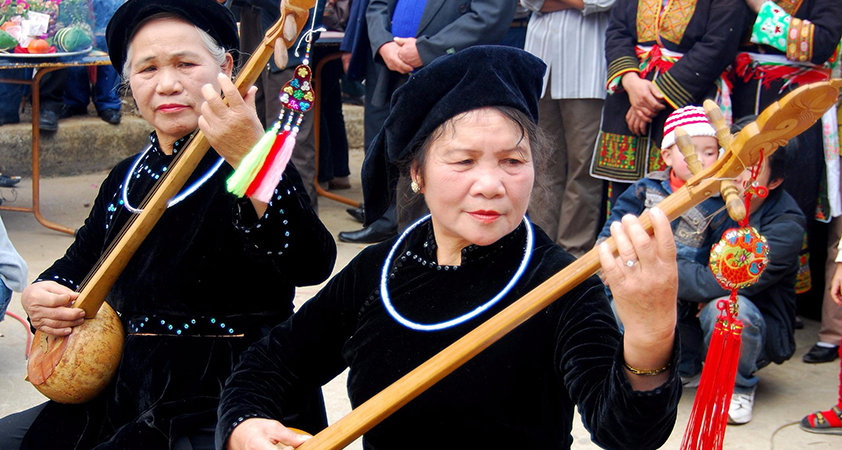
(683, 46)
(524, 386)
(210, 279)
(806, 37)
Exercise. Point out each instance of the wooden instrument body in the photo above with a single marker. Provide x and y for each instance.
(76, 368)
(777, 124)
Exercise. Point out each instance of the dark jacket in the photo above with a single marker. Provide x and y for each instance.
(781, 222)
(525, 386)
(445, 27)
(693, 230)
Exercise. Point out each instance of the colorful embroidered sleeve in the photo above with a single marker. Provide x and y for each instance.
(770, 27)
(803, 37)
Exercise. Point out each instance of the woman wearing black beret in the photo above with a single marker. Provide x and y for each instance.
(462, 134)
(215, 273)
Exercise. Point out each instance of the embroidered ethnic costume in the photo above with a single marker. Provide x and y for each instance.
(675, 52)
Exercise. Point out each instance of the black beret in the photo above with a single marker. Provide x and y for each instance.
(477, 77)
(208, 15)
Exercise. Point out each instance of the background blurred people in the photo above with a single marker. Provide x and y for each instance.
(569, 36)
(404, 35)
(661, 56)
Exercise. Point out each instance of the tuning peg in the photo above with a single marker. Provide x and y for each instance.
(685, 144)
(733, 202)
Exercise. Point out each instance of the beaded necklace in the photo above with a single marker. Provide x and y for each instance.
(387, 302)
(173, 201)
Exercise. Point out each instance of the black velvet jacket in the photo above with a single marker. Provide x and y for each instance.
(210, 267)
(524, 386)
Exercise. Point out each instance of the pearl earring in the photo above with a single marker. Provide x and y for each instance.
(415, 187)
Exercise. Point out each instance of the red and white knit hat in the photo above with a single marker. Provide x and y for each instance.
(692, 119)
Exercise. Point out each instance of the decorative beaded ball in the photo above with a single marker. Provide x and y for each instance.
(739, 258)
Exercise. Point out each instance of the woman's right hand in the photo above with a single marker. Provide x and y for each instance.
(264, 434)
(49, 306)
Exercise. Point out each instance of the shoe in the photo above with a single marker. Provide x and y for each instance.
(368, 235)
(823, 422)
(819, 354)
(9, 180)
(9, 121)
(357, 213)
(339, 183)
(70, 111)
(739, 412)
(48, 120)
(691, 382)
(111, 116)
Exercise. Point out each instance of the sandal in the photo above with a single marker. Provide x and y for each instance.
(824, 422)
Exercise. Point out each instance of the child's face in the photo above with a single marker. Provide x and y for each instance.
(707, 149)
(762, 180)
(745, 177)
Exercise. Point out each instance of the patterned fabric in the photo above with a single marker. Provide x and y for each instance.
(675, 18)
(790, 6)
(618, 157)
(617, 68)
(803, 279)
(647, 28)
(692, 119)
(799, 40)
(672, 19)
(771, 26)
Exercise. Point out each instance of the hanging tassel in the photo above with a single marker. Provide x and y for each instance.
(706, 427)
(273, 152)
(737, 261)
(251, 164)
(262, 169)
(276, 169)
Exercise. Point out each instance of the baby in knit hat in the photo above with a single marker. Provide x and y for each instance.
(691, 229)
(694, 121)
(694, 231)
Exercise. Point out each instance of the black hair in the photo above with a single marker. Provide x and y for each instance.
(778, 160)
(539, 143)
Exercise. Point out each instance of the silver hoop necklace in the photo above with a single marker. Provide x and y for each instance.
(387, 302)
(173, 201)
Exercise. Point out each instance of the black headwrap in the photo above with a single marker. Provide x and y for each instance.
(476, 77)
(208, 15)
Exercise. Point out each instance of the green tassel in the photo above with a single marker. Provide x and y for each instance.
(251, 164)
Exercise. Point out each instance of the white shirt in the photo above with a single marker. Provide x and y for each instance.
(572, 44)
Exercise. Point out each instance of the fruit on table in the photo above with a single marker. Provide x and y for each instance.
(71, 39)
(38, 46)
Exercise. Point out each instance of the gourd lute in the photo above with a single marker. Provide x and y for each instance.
(76, 368)
(778, 123)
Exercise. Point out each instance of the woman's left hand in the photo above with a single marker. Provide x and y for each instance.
(644, 282)
(233, 128)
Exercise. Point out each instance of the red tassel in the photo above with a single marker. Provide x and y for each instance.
(706, 428)
(261, 174)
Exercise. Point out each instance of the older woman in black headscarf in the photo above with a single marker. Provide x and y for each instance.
(462, 133)
(213, 276)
